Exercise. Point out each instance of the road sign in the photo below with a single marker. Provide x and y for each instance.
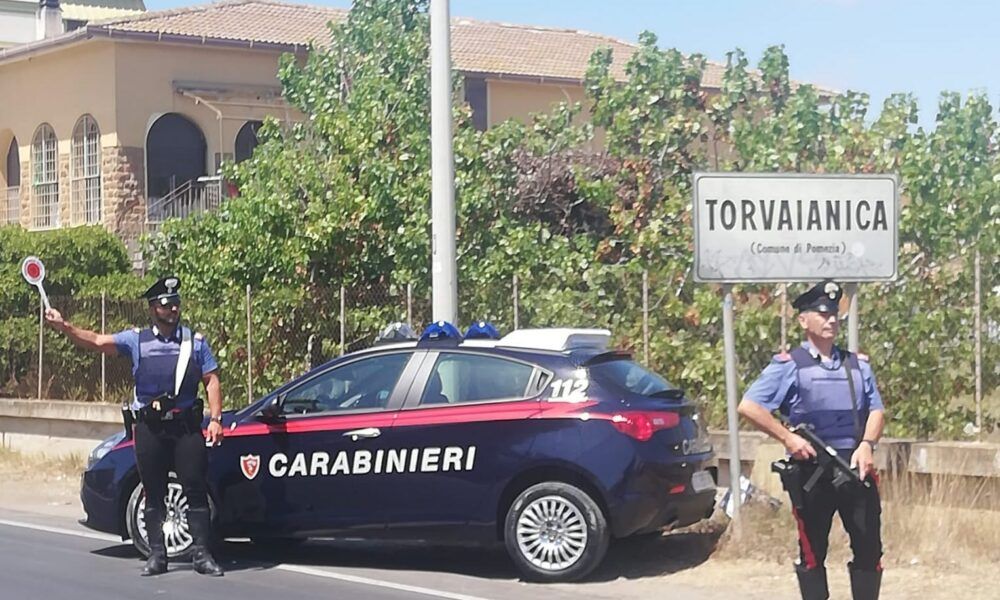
(33, 271)
(761, 227)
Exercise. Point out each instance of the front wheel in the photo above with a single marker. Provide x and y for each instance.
(176, 530)
(555, 532)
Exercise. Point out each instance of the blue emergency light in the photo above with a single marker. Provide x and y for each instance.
(482, 330)
(439, 331)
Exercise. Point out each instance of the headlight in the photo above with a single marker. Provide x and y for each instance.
(103, 448)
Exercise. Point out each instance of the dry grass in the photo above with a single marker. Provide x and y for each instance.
(931, 520)
(14, 465)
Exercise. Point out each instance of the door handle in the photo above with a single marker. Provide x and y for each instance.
(367, 432)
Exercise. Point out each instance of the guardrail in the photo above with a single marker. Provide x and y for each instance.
(55, 427)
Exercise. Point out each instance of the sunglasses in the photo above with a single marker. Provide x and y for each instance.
(165, 302)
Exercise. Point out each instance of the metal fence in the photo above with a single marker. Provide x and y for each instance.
(262, 339)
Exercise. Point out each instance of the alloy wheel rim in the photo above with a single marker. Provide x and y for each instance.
(176, 530)
(552, 533)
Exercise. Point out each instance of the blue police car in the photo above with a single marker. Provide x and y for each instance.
(544, 440)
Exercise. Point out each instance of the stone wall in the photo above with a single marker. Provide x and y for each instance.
(26, 193)
(123, 190)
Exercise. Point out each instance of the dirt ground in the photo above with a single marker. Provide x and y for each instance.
(756, 567)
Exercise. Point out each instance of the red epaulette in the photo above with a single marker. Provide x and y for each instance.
(862, 356)
(782, 357)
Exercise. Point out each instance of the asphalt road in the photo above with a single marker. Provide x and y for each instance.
(52, 558)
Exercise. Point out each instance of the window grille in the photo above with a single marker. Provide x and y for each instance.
(44, 179)
(85, 172)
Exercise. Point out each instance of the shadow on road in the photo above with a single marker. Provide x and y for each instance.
(634, 558)
(117, 551)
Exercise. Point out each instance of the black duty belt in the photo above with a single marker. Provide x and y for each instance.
(163, 409)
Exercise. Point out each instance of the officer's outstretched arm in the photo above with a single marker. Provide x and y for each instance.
(91, 340)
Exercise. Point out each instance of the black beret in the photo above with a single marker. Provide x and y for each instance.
(165, 288)
(822, 297)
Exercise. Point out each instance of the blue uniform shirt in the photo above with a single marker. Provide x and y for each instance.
(127, 342)
(777, 386)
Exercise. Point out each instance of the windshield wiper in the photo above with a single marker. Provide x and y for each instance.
(669, 394)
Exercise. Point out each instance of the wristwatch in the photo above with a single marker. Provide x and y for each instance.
(871, 443)
(217, 419)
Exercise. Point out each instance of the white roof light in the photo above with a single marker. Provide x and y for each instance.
(558, 339)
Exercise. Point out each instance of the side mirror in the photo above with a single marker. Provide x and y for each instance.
(272, 410)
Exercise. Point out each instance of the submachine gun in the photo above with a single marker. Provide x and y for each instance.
(792, 471)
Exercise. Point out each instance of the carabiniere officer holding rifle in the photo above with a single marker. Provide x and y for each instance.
(832, 392)
(168, 363)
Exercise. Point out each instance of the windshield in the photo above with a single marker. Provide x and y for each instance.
(632, 377)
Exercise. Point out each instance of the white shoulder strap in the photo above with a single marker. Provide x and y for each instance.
(182, 359)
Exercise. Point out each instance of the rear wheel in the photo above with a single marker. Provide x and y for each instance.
(554, 531)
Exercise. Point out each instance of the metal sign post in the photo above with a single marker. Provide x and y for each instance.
(852, 316)
(732, 418)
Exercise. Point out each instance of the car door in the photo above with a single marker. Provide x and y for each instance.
(468, 416)
(317, 469)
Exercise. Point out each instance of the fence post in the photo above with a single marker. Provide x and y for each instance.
(343, 319)
(249, 351)
(41, 352)
(516, 316)
(645, 317)
(977, 311)
(104, 373)
(409, 304)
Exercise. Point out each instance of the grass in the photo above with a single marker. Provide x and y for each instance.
(13, 464)
(935, 520)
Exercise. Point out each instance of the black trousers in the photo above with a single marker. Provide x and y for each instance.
(176, 445)
(860, 511)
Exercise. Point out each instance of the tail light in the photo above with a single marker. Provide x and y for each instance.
(642, 425)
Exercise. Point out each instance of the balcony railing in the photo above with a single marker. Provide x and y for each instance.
(193, 197)
(11, 209)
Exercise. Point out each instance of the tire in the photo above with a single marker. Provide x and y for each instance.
(177, 532)
(555, 532)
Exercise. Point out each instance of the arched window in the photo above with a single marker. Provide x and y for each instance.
(85, 172)
(44, 179)
(246, 140)
(11, 212)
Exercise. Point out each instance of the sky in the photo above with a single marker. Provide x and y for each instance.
(875, 46)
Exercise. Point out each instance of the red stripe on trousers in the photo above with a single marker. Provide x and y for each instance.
(807, 550)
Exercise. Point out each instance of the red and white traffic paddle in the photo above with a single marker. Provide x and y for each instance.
(33, 271)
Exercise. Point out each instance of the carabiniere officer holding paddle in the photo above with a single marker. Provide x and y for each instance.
(168, 363)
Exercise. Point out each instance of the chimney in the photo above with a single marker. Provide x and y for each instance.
(49, 23)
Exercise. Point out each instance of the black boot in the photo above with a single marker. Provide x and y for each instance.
(201, 528)
(865, 585)
(812, 583)
(156, 564)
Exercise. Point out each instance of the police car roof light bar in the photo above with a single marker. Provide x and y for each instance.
(441, 331)
(557, 339)
(482, 330)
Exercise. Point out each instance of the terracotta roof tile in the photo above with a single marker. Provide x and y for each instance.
(477, 46)
(243, 20)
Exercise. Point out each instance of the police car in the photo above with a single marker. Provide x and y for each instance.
(545, 440)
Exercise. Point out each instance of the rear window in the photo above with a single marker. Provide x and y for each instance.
(632, 377)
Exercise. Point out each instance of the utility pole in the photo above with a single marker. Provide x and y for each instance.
(444, 270)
